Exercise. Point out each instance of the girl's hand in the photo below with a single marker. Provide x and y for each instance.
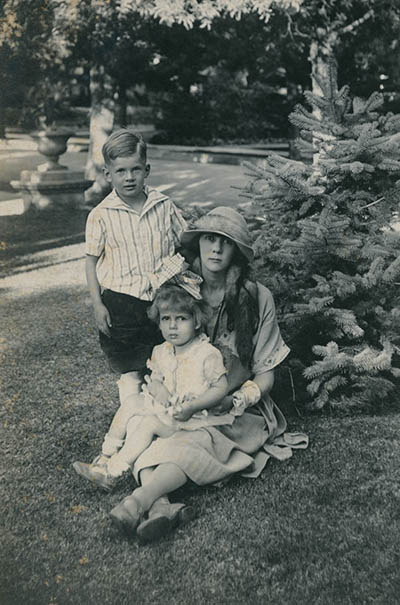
(224, 405)
(183, 412)
(103, 318)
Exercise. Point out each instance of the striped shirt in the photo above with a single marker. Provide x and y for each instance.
(136, 251)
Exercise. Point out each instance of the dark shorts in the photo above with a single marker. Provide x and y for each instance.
(133, 335)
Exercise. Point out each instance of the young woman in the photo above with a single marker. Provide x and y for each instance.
(241, 323)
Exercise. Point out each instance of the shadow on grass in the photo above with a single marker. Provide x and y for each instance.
(37, 230)
(56, 256)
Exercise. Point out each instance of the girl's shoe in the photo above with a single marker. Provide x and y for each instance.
(127, 515)
(96, 474)
(163, 517)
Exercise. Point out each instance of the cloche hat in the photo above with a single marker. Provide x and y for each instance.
(223, 221)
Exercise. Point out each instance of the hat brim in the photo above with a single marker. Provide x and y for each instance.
(189, 237)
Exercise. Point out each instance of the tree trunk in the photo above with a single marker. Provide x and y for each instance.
(2, 116)
(322, 51)
(320, 55)
(121, 108)
(105, 114)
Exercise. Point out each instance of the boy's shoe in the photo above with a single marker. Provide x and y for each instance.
(96, 474)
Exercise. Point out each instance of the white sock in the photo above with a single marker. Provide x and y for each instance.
(111, 445)
(116, 467)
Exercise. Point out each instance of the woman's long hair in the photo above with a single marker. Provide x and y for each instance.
(241, 302)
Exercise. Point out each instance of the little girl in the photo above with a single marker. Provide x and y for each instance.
(187, 379)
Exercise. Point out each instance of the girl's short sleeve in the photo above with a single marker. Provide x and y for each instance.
(270, 349)
(154, 364)
(213, 366)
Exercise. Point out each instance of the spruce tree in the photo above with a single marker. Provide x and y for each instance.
(329, 251)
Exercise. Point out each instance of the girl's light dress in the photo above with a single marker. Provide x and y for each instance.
(185, 375)
(213, 453)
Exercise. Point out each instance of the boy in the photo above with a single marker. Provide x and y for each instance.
(131, 238)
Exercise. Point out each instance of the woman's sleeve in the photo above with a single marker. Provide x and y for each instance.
(178, 224)
(213, 367)
(95, 234)
(270, 349)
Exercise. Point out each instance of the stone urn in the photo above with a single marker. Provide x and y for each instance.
(52, 185)
(51, 143)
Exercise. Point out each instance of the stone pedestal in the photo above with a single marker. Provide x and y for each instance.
(52, 188)
(52, 184)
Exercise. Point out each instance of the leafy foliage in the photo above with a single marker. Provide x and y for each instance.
(23, 27)
(329, 250)
(229, 85)
(238, 55)
(190, 12)
(101, 33)
(256, 112)
(34, 62)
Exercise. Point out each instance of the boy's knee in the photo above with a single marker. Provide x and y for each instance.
(131, 403)
(150, 423)
(129, 386)
(135, 424)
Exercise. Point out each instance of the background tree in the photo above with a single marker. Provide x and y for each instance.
(320, 25)
(237, 65)
(243, 64)
(329, 251)
(344, 30)
(238, 54)
(259, 69)
(110, 27)
(25, 47)
(369, 56)
(115, 48)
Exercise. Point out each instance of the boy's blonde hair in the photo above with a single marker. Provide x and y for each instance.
(123, 143)
(174, 297)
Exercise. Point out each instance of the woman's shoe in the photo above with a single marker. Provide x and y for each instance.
(127, 515)
(186, 514)
(162, 519)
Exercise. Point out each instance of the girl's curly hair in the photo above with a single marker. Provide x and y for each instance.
(170, 296)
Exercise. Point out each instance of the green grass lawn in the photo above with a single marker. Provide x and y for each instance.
(320, 528)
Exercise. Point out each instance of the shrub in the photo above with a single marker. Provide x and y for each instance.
(329, 251)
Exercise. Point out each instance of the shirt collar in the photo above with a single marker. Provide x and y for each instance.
(114, 202)
(197, 341)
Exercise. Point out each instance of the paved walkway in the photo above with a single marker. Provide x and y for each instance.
(186, 182)
(189, 182)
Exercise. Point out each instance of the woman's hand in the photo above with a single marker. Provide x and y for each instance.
(223, 406)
